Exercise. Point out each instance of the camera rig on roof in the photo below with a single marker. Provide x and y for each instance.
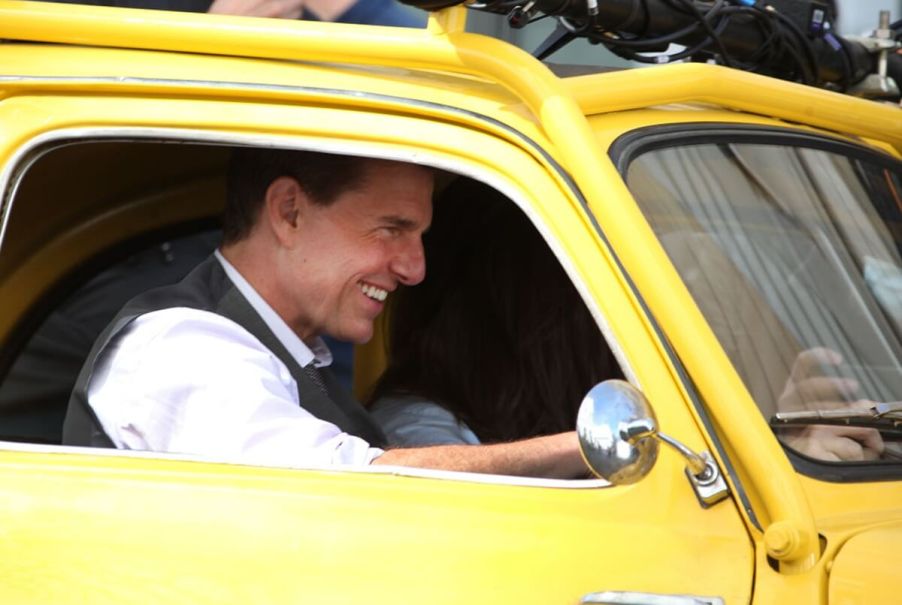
(788, 39)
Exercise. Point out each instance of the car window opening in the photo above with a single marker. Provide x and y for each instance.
(495, 345)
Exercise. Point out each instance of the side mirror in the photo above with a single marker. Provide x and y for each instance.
(614, 425)
(618, 435)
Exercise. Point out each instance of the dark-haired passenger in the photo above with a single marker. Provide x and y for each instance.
(496, 344)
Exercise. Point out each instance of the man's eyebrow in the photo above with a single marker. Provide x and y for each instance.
(399, 222)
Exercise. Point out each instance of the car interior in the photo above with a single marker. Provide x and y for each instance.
(88, 226)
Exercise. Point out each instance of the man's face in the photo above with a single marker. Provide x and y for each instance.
(353, 253)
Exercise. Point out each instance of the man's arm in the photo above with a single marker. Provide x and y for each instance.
(556, 456)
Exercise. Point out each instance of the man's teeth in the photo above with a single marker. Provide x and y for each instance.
(374, 292)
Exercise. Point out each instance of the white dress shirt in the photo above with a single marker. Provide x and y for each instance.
(186, 381)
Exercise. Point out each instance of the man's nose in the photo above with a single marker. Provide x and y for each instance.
(409, 265)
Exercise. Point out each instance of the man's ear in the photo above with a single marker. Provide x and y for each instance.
(283, 208)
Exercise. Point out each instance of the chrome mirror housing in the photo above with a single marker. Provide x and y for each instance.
(616, 427)
(618, 436)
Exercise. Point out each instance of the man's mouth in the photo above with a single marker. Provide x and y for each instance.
(373, 292)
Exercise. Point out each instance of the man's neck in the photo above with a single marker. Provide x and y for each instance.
(258, 271)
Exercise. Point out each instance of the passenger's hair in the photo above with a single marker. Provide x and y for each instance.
(496, 333)
(322, 176)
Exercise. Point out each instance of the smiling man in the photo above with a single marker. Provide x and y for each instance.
(229, 362)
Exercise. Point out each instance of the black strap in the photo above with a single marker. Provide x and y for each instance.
(208, 287)
(332, 403)
(315, 376)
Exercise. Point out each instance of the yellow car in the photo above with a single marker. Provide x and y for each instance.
(723, 228)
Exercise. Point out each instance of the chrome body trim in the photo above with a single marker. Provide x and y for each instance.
(646, 598)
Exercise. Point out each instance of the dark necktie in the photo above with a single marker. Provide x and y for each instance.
(315, 376)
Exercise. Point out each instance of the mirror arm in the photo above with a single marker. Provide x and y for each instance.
(702, 472)
(637, 430)
(619, 439)
(699, 468)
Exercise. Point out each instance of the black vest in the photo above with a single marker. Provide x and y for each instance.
(208, 288)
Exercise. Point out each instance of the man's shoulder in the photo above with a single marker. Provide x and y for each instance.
(202, 340)
(187, 324)
(201, 288)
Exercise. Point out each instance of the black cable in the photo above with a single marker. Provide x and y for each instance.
(635, 44)
(577, 29)
(805, 44)
(539, 18)
(647, 12)
(635, 9)
(845, 58)
(766, 26)
(638, 41)
(703, 19)
(642, 40)
(747, 36)
(633, 55)
(800, 61)
(774, 49)
(680, 7)
(779, 44)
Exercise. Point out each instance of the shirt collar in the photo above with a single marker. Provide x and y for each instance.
(319, 353)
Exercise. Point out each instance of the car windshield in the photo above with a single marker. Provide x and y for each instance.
(792, 253)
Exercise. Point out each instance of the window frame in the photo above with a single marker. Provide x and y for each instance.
(631, 145)
(32, 152)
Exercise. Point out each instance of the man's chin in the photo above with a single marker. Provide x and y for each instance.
(362, 340)
(357, 337)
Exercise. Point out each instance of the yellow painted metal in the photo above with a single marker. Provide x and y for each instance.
(57, 246)
(250, 534)
(482, 542)
(734, 414)
(571, 142)
(552, 103)
(199, 118)
(101, 71)
(826, 499)
(854, 503)
(733, 88)
(557, 122)
(451, 21)
(841, 511)
(859, 527)
(160, 30)
(866, 569)
(758, 455)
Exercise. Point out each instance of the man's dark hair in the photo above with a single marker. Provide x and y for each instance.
(322, 176)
